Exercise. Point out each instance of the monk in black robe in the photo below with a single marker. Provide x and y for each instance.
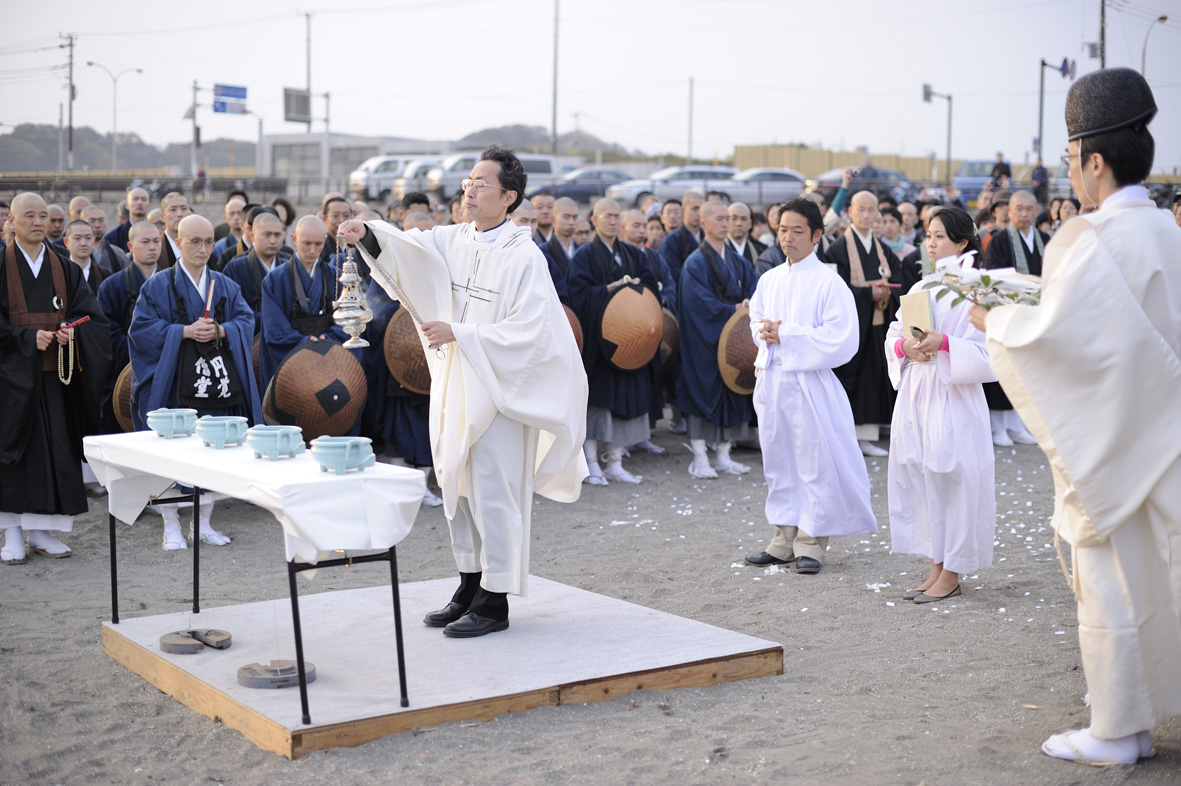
(50, 399)
(876, 278)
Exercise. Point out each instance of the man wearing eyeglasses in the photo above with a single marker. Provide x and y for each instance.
(1094, 371)
(190, 343)
(508, 391)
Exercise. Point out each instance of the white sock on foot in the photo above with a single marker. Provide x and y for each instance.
(1084, 748)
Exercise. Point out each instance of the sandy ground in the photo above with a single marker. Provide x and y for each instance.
(875, 690)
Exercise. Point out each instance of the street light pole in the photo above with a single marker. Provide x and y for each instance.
(114, 110)
(1144, 50)
(928, 94)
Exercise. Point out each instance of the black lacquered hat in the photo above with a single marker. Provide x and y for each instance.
(1106, 100)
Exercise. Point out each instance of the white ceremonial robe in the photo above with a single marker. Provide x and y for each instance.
(942, 485)
(513, 357)
(1095, 373)
(816, 476)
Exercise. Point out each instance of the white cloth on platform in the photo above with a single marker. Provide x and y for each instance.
(513, 357)
(319, 511)
(1095, 372)
(816, 476)
(942, 486)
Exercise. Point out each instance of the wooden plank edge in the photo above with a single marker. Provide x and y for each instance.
(353, 733)
(196, 694)
(731, 668)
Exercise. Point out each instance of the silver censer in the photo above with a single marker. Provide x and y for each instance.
(352, 311)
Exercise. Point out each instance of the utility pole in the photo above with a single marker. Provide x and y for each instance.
(689, 157)
(70, 38)
(928, 94)
(196, 135)
(1103, 33)
(61, 146)
(554, 100)
(308, 18)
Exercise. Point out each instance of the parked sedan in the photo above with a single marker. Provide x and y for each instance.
(413, 177)
(887, 182)
(763, 186)
(673, 182)
(584, 184)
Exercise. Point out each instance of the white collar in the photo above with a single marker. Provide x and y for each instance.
(34, 264)
(84, 268)
(198, 285)
(175, 247)
(866, 240)
(1027, 237)
(1133, 193)
(492, 235)
(738, 248)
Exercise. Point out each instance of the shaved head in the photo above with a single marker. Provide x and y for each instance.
(192, 226)
(26, 200)
(712, 207)
(77, 205)
(310, 234)
(863, 211)
(565, 203)
(525, 209)
(142, 229)
(422, 221)
(56, 210)
(265, 218)
(603, 204)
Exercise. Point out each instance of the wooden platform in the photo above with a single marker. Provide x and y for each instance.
(578, 647)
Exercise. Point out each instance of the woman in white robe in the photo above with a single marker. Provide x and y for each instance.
(941, 478)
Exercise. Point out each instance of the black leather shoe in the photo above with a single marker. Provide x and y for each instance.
(806, 565)
(472, 624)
(764, 559)
(445, 616)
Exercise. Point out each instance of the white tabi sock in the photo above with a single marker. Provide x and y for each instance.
(1081, 747)
(615, 470)
(208, 533)
(700, 467)
(724, 463)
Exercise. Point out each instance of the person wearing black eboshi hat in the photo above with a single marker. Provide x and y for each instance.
(1094, 371)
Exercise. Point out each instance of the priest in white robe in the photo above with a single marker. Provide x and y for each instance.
(804, 322)
(1095, 373)
(508, 390)
(942, 488)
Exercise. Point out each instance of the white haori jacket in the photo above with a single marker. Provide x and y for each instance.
(514, 352)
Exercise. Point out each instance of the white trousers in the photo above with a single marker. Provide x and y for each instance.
(490, 532)
(1129, 615)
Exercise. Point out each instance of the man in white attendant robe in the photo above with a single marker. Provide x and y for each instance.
(817, 484)
(508, 396)
(1095, 372)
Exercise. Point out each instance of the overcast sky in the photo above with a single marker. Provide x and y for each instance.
(840, 73)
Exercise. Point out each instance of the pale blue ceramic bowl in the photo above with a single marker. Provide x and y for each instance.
(220, 430)
(275, 441)
(169, 423)
(340, 454)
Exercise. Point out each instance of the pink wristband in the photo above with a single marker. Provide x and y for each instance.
(945, 346)
(898, 348)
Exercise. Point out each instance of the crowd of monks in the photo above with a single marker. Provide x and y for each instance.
(274, 275)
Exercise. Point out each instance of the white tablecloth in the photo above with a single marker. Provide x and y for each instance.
(319, 511)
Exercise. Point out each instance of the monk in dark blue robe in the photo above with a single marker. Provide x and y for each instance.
(248, 270)
(714, 284)
(180, 357)
(117, 297)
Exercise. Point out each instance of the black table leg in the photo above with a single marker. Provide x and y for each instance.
(196, 551)
(303, 677)
(114, 575)
(398, 625)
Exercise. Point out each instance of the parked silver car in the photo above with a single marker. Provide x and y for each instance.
(413, 177)
(673, 182)
(443, 180)
(763, 186)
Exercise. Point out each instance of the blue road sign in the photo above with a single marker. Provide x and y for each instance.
(230, 91)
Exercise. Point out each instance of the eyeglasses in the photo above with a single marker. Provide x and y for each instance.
(478, 185)
(1066, 159)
